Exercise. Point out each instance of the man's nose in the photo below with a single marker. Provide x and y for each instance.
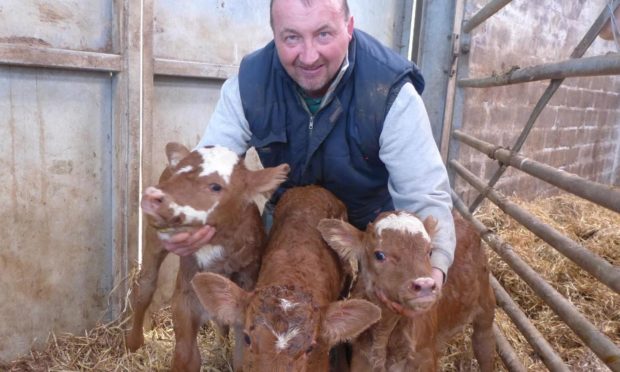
(309, 55)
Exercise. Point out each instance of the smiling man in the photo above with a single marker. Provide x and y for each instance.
(344, 112)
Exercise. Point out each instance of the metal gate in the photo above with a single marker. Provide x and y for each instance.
(606, 195)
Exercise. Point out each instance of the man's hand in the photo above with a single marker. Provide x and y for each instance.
(186, 243)
(438, 277)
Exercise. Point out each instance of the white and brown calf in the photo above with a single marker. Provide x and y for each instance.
(393, 255)
(211, 186)
(292, 318)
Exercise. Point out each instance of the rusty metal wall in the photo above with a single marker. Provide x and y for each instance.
(56, 160)
(55, 250)
(64, 24)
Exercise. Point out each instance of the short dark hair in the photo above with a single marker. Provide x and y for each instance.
(345, 8)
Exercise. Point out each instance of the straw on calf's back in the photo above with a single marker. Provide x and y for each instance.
(293, 317)
(211, 186)
(395, 273)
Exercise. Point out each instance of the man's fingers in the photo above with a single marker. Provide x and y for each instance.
(179, 238)
(186, 243)
(201, 236)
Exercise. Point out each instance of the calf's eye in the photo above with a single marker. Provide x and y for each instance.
(380, 256)
(215, 187)
(246, 339)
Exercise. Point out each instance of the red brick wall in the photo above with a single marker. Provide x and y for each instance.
(578, 131)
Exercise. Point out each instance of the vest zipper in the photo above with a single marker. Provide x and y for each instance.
(311, 125)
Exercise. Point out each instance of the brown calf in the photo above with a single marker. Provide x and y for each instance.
(395, 273)
(206, 186)
(292, 318)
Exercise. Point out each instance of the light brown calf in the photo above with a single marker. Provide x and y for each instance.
(210, 186)
(395, 273)
(293, 317)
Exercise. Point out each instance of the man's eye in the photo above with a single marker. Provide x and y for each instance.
(291, 38)
(380, 256)
(215, 187)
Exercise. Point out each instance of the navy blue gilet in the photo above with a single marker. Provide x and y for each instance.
(341, 152)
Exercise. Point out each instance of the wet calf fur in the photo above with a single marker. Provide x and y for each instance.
(210, 186)
(393, 255)
(292, 318)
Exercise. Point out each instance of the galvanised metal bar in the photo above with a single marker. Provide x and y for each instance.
(506, 352)
(483, 14)
(607, 196)
(598, 267)
(538, 342)
(591, 66)
(578, 52)
(598, 342)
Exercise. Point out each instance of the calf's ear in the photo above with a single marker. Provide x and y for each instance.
(223, 299)
(343, 238)
(345, 320)
(265, 181)
(175, 153)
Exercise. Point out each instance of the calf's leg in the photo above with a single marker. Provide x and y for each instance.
(186, 319)
(483, 341)
(144, 288)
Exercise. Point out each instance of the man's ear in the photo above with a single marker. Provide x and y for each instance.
(345, 320)
(223, 299)
(350, 26)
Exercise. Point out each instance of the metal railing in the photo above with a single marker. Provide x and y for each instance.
(603, 195)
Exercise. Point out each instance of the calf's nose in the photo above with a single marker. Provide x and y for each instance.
(423, 285)
(152, 199)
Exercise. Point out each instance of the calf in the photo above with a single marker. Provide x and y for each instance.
(206, 186)
(395, 273)
(292, 318)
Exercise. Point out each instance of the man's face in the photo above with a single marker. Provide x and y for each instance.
(312, 41)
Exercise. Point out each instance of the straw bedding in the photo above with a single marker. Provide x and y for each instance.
(102, 348)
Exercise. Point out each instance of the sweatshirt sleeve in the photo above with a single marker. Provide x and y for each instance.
(228, 126)
(418, 180)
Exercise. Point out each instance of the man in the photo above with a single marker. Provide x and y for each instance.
(343, 111)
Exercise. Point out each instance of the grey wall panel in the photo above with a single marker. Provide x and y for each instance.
(222, 32)
(181, 111)
(382, 19)
(55, 161)
(64, 24)
(214, 31)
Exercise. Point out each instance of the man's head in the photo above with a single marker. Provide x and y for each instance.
(312, 38)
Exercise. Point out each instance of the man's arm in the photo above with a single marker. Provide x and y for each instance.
(418, 180)
(228, 126)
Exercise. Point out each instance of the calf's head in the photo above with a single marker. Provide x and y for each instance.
(393, 255)
(209, 185)
(284, 330)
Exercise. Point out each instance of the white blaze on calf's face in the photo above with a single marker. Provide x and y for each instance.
(191, 214)
(218, 160)
(404, 223)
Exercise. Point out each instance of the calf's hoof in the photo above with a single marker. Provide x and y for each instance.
(134, 340)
